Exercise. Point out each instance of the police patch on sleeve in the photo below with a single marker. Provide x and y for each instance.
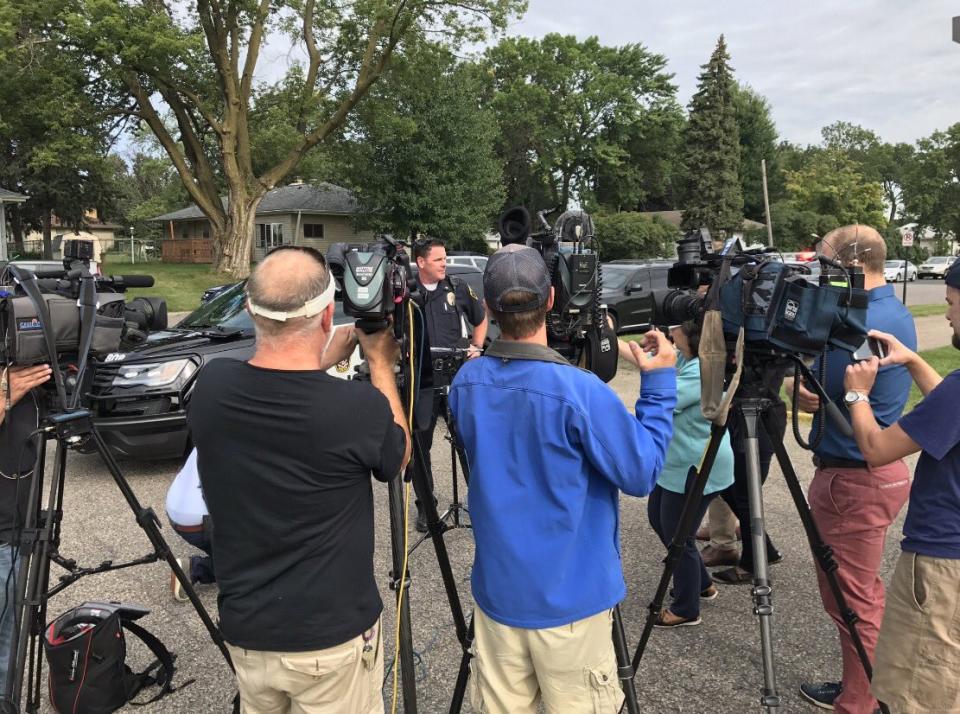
(472, 294)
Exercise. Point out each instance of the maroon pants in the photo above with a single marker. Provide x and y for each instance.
(853, 509)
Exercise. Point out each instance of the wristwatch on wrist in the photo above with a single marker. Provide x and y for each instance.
(852, 397)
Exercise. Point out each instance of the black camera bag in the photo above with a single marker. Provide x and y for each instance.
(88, 671)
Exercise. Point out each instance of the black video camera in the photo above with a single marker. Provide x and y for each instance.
(779, 307)
(374, 280)
(575, 324)
(32, 302)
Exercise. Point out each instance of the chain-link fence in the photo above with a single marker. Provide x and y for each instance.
(123, 250)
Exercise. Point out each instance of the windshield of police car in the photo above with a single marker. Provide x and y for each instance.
(227, 311)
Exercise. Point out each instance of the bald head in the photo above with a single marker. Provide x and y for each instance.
(283, 282)
(856, 243)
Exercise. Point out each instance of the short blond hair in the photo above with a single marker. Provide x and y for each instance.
(859, 243)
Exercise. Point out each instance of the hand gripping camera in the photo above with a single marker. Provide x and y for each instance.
(576, 327)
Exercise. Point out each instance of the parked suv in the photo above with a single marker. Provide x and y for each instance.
(139, 398)
(935, 267)
(626, 290)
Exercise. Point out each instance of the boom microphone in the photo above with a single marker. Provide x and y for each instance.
(129, 281)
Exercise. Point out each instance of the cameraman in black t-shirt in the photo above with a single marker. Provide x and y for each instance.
(19, 417)
(285, 454)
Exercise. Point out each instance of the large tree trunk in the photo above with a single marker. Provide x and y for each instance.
(47, 238)
(232, 246)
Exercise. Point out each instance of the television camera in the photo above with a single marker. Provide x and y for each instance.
(27, 296)
(576, 324)
(779, 307)
(374, 280)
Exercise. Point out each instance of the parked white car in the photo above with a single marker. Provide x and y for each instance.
(471, 261)
(893, 270)
(936, 267)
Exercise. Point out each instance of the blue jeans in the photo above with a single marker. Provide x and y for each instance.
(201, 566)
(691, 577)
(9, 568)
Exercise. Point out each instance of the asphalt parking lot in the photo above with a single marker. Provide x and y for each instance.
(921, 292)
(714, 667)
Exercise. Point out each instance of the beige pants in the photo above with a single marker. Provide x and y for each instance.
(723, 524)
(345, 679)
(572, 669)
(917, 661)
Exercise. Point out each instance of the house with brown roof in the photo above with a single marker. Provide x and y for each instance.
(314, 215)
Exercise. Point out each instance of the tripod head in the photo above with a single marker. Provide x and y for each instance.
(762, 376)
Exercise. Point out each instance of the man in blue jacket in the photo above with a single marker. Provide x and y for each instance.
(550, 447)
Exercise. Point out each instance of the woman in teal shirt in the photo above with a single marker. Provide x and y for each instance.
(691, 580)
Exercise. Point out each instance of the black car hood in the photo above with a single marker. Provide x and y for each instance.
(169, 343)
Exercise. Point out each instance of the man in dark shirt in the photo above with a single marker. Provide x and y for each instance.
(18, 455)
(285, 454)
(449, 305)
(852, 502)
(918, 653)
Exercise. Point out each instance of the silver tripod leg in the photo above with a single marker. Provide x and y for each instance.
(762, 591)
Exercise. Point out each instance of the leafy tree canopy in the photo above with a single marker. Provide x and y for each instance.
(420, 152)
(199, 65)
(631, 235)
(565, 108)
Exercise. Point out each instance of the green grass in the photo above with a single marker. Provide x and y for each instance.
(180, 284)
(944, 360)
(928, 310)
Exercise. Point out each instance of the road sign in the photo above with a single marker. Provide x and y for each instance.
(906, 239)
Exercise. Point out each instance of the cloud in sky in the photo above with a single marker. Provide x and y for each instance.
(887, 65)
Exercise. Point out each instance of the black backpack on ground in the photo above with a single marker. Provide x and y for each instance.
(86, 653)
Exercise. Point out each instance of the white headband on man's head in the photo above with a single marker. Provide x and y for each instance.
(313, 306)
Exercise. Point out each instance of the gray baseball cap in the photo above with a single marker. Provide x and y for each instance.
(516, 267)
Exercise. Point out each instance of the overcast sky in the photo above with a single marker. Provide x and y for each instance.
(888, 65)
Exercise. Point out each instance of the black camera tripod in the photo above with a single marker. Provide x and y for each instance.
(753, 403)
(40, 543)
(39, 540)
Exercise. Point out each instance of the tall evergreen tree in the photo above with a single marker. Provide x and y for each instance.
(714, 198)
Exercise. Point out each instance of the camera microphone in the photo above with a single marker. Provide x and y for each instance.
(129, 281)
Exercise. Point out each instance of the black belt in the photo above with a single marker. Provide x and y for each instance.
(832, 462)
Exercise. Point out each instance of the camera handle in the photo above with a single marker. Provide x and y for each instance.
(370, 326)
(832, 410)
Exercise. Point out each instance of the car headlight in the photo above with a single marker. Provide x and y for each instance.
(155, 374)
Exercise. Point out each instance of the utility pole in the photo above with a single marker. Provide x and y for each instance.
(133, 258)
(766, 203)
